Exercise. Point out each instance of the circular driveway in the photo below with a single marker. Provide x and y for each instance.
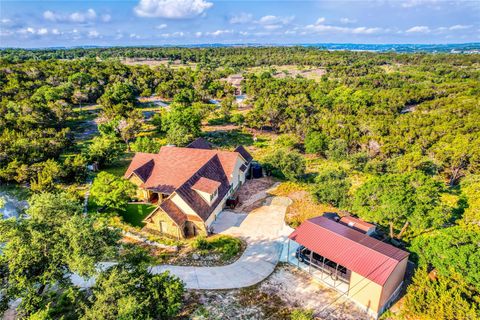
(263, 229)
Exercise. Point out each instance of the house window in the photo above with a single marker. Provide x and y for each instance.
(213, 195)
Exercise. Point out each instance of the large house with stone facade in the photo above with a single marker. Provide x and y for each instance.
(190, 186)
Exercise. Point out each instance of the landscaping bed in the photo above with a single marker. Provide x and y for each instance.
(216, 250)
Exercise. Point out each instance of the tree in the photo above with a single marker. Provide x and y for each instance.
(118, 99)
(316, 142)
(332, 187)
(227, 105)
(131, 292)
(105, 150)
(110, 191)
(457, 154)
(402, 200)
(470, 187)
(146, 144)
(75, 168)
(337, 149)
(130, 126)
(179, 135)
(286, 164)
(45, 249)
(50, 172)
(433, 297)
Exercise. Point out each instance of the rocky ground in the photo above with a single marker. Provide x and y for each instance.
(285, 290)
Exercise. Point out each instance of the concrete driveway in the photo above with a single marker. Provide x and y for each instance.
(265, 232)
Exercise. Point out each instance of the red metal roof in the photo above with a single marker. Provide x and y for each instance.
(369, 257)
(357, 223)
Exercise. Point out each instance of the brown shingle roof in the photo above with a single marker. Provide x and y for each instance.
(174, 212)
(244, 153)
(172, 166)
(200, 143)
(211, 170)
(206, 185)
(369, 257)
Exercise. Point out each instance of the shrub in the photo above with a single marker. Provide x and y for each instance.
(285, 164)
(332, 187)
(337, 150)
(299, 314)
(316, 142)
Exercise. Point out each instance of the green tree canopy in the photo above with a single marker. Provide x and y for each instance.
(111, 191)
(402, 200)
(44, 249)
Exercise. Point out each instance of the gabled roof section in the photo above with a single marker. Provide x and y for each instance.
(212, 170)
(244, 153)
(369, 257)
(206, 185)
(200, 143)
(174, 212)
(172, 166)
(171, 210)
(144, 171)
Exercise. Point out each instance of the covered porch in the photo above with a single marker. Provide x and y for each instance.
(320, 268)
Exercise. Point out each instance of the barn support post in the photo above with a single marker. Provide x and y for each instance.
(288, 251)
(336, 276)
(311, 261)
(323, 266)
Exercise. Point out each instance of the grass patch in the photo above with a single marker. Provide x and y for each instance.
(119, 167)
(230, 139)
(135, 213)
(304, 206)
(227, 246)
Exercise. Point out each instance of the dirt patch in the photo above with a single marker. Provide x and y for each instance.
(298, 290)
(303, 206)
(287, 289)
(252, 193)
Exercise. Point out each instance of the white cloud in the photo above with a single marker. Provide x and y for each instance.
(241, 18)
(93, 34)
(347, 20)
(415, 3)
(269, 19)
(320, 20)
(33, 31)
(271, 22)
(161, 26)
(320, 27)
(219, 33)
(106, 17)
(75, 17)
(172, 9)
(419, 29)
(177, 34)
(459, 27)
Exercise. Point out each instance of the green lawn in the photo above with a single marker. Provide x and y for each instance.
(135, 213)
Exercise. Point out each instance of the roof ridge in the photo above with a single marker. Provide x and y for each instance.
(360, 242)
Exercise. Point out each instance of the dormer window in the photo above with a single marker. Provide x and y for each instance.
(207, 189)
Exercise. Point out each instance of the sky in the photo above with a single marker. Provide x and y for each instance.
(47, 23)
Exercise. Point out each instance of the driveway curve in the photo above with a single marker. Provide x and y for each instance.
(263, 229)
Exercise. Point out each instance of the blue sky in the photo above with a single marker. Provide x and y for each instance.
(158, 22)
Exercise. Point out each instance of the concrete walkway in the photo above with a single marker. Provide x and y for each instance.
(265, 232)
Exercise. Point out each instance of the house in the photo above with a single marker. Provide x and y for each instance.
(190, 186)
(366, 270)
(358, 224)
